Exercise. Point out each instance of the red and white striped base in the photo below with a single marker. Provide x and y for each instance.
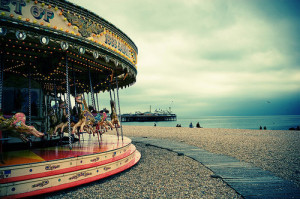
(38, 171)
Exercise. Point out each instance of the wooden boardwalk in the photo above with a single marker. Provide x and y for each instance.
(246, 179)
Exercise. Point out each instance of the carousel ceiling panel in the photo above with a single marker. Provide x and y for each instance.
(40, 38)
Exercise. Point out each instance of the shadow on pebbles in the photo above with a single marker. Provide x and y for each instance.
(159, 174)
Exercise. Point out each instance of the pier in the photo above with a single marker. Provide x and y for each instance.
(148, 118)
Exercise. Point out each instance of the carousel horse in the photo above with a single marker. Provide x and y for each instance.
(113, 115)
(64, 119)
(54, 121)
(101, 123)
(17, 126)
(86, 118)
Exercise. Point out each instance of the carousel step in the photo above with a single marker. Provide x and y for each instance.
(43, 185)
(48, 168)
(36, 171)
(46, 161)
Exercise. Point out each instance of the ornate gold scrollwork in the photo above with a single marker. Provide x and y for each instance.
(85, 28)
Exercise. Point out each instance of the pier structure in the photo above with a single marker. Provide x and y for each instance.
(148, 118)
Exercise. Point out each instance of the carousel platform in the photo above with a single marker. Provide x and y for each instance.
(25, 173)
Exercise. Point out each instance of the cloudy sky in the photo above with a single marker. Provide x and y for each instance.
(210, 57)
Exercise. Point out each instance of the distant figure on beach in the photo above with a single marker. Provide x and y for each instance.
(191, 125)
(265, 128)
(154, 124)
(260, 128)
(297, 128)
(198, 125)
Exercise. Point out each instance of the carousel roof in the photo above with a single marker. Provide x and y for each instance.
(40, 38)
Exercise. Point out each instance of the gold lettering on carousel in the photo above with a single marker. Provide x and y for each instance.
(113, 42)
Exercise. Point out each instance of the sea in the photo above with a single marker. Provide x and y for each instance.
(274, 122)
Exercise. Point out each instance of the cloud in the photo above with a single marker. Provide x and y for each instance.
(209, 57)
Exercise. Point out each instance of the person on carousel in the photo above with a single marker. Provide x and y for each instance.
(102, 123)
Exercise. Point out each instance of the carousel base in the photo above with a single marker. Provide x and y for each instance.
(32, 172)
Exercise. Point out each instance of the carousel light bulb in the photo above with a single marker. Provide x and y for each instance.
(20, 35)
(64, 45)
(44, 40)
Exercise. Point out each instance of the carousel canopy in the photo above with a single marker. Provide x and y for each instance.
(40, 39)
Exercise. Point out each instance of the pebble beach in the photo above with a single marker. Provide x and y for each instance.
(277, 151)
(163, 174)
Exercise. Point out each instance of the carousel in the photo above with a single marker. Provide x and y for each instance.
(56, 58)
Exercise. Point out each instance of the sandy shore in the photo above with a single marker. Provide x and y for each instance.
(275, 151)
